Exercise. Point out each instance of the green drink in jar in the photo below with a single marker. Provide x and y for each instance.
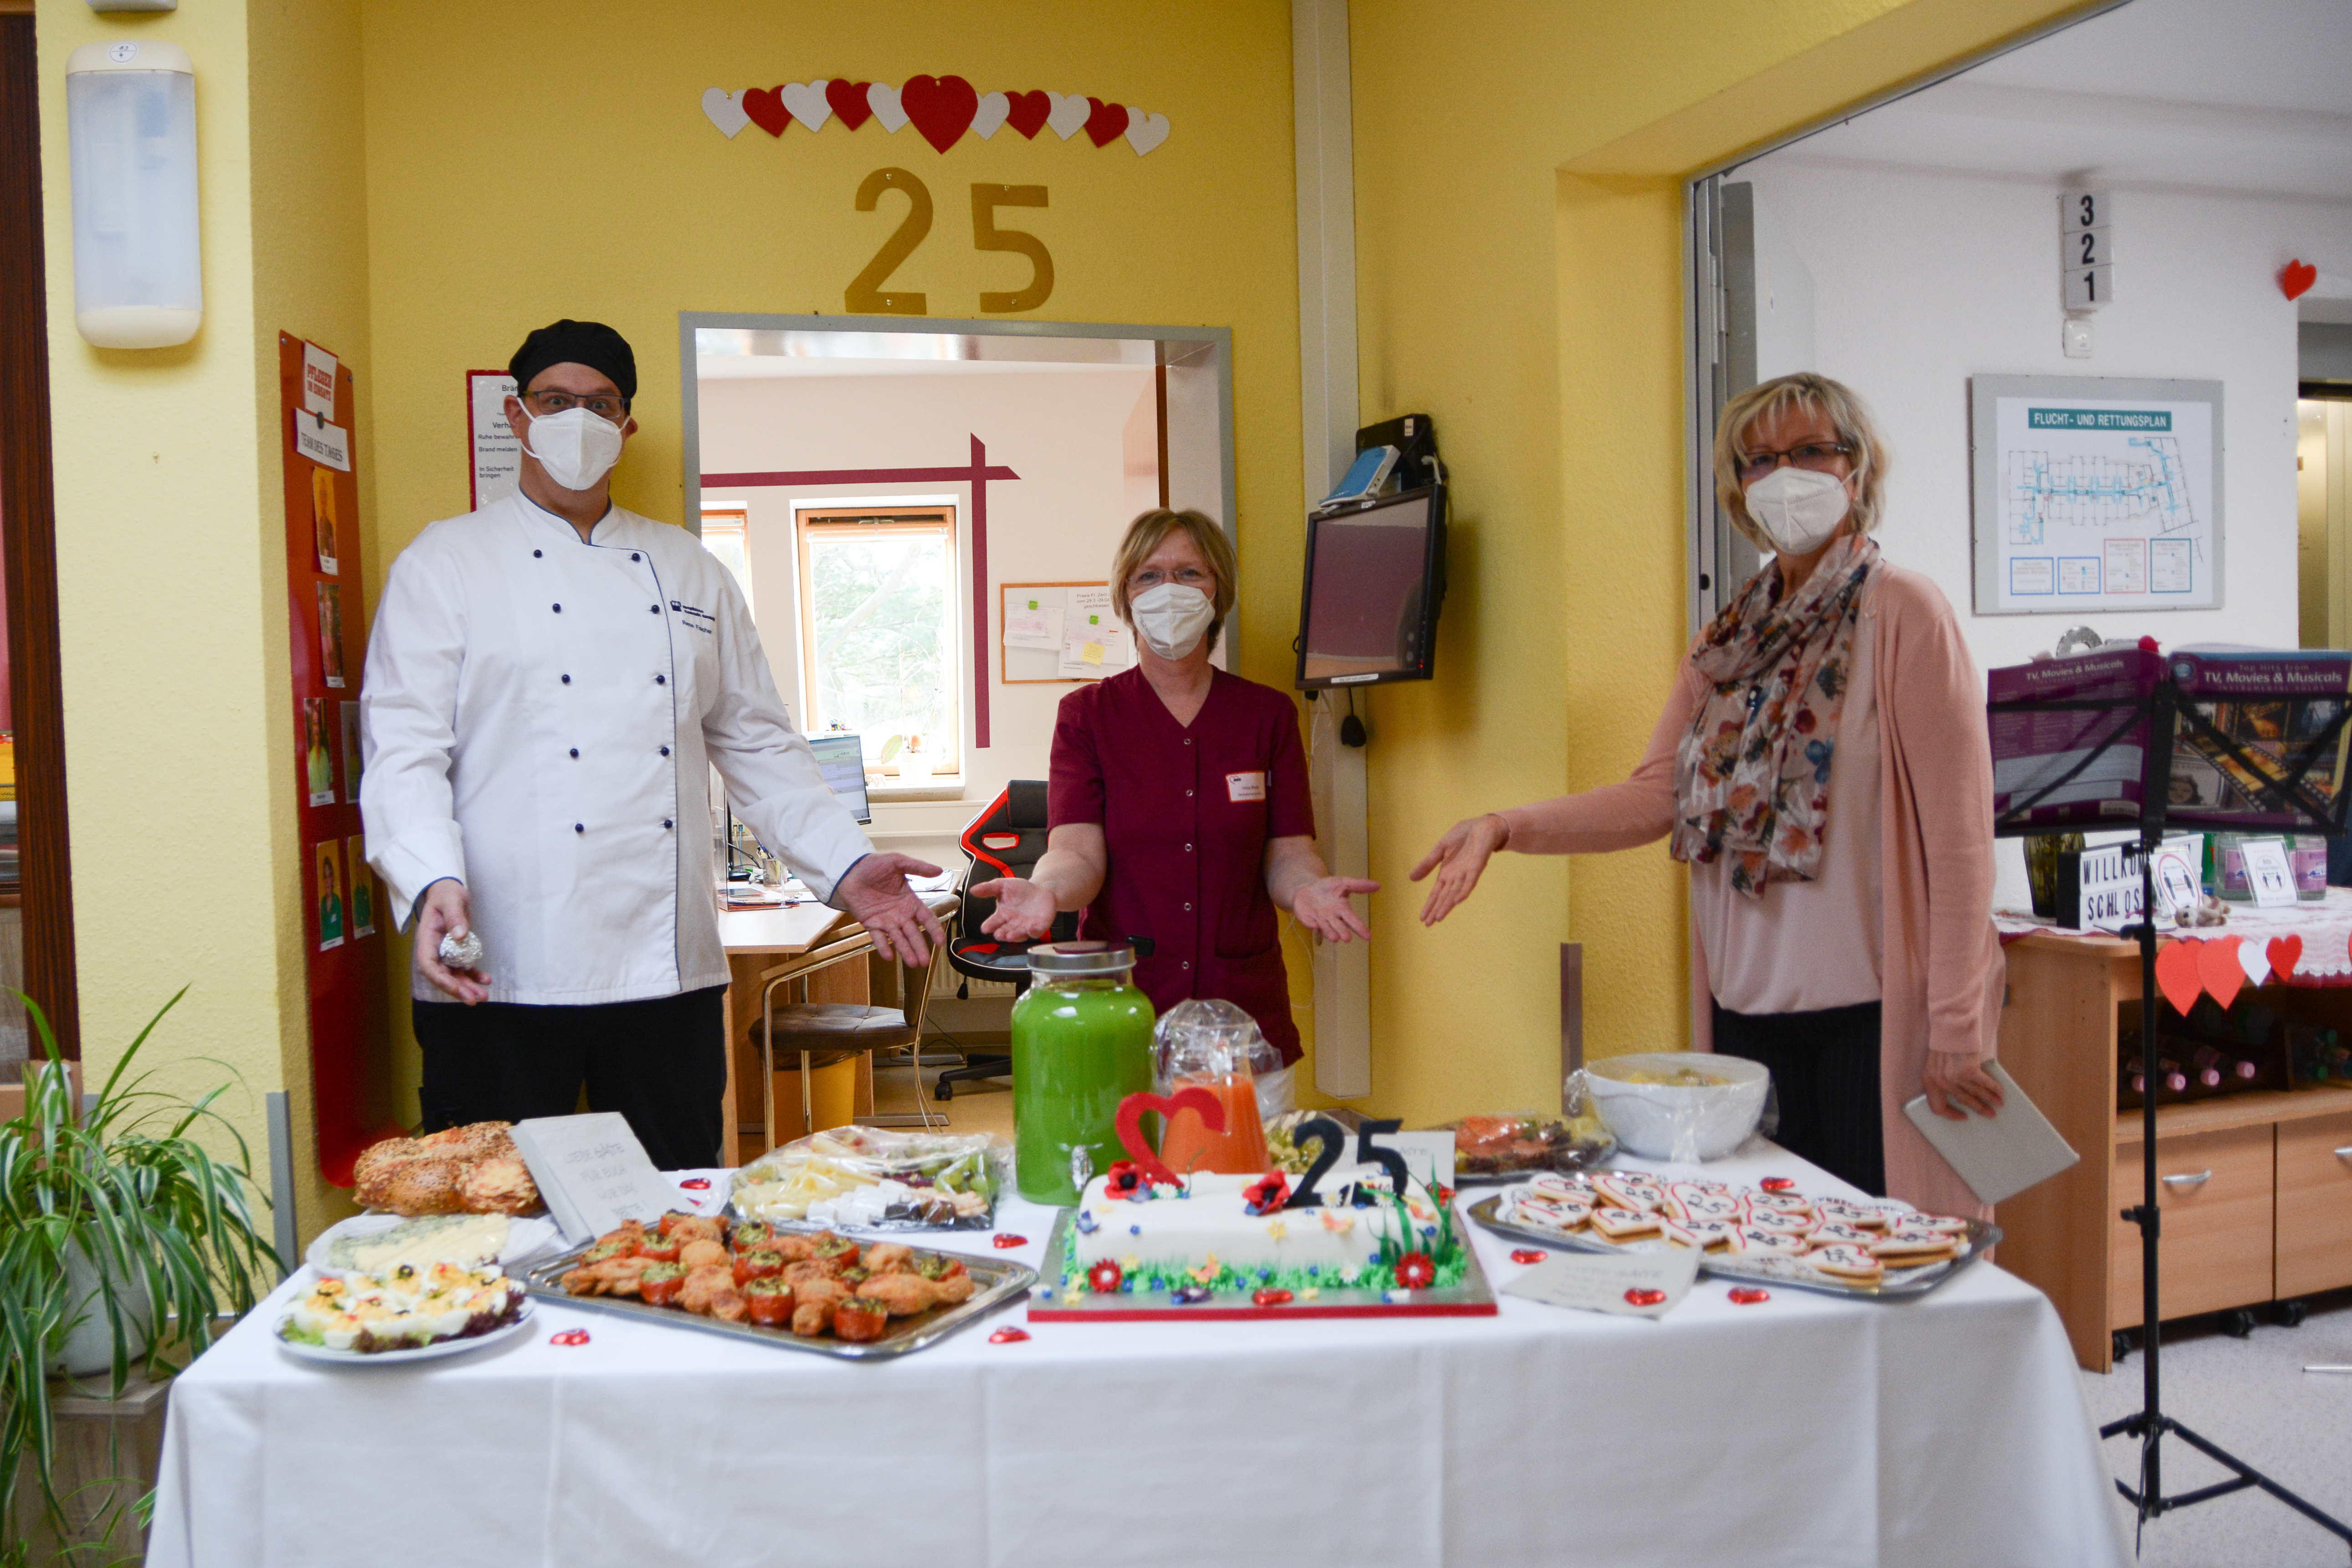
(1081, 1043)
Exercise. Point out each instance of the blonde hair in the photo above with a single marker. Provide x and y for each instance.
(1833, 400)
(1145, 534)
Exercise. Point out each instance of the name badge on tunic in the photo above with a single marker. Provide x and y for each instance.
(1240, 787)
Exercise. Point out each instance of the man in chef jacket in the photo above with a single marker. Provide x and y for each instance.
(549, 680)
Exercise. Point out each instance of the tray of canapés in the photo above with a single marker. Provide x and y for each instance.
(1879, 1248)
(815, 1291)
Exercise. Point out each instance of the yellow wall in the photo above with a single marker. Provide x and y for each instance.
(1519, 174)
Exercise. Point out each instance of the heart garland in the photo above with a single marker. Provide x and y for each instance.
(2222, 966)
(941, 108)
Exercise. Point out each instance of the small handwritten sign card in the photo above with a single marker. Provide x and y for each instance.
(1636, 1284)
(592, 1171)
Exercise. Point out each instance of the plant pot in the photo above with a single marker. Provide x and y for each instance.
(89, 1344)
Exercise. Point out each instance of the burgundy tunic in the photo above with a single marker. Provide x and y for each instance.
(1186, 814)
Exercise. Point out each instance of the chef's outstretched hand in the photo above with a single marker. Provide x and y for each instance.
(876, 893)
(1459, 859)
(1322, 907)
(1025, 911)
(445, 910)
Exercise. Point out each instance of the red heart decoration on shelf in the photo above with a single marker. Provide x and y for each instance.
(1008, 1240)
(2217, 963)
(2177, 976)
(1527, 1255)
(1131, 1126)
(1748, 1294)
(941, 106)
(765, 105)
(569, 1337)
(1108, 124)
(849, 102)
(2284, 952)
(1646, 1298)
(2296, 278)
(1008, 1336)
(1028, 112)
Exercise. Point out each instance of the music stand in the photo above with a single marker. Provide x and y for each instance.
(2161, 711)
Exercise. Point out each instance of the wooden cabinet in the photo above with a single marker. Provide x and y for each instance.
(2315, 1204)
(2214, 1190)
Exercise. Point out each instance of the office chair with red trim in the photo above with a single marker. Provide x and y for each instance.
(1007, 839)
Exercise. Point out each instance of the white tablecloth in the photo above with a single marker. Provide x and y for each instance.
(1805, 1431)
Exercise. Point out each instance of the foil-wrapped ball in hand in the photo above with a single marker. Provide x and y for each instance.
(462, 952)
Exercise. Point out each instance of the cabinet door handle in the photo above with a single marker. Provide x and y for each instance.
(2198, 1180)
(2345, 1152)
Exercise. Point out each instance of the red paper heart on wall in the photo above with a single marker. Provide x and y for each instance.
(1028, 112)
(1131, 1125)
(2177, 976)
(765, 105)
(849, 102)
(1108, 124)
(941, 106)
(2296, 278)
(2284, 952)
(2218, 966)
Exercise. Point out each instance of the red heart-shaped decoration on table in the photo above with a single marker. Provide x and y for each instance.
(1008, 1336)
(696, 1184)
(849, 102)
(1778, 1183)
(1646, 1298)
(1527, 1255)
(1106, 123)
(2296, 278)
(2177, 976)
(569, 1337)
(2217, 963)
(765, 105)
(1131, 1126)
(941, 106)
(2284, 952)
(1748, 1294)
(1027, 112)
(1008, 1239)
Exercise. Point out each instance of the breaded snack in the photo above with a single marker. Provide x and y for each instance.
(887, 1257)
(707, 1253)
(500, 1185)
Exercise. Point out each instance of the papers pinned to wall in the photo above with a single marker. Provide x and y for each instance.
(1060, 631)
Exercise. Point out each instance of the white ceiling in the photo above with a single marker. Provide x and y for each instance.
(2230, 95)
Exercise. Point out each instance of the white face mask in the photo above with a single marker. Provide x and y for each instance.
(1172, 617)
(1799, 509)
(576, 447)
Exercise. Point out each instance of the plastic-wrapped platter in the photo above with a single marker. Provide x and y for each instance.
(1504, 1148)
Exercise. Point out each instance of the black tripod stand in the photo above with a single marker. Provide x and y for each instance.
(2161, 713)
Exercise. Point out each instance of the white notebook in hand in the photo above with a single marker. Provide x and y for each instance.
(1998, 1156)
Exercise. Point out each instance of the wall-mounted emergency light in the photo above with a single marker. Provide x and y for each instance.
(131, 126)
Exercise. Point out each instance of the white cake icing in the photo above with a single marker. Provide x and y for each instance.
(1174, 1234)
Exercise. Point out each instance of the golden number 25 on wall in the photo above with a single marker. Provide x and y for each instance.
(865, 295)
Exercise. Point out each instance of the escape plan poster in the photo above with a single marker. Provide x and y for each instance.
(2097, 503)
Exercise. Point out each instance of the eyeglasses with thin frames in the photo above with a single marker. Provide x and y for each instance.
(1186, 576)
(1819, 457)
(614, 409)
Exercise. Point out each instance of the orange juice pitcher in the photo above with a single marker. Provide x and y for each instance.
(1238, 1150)
(1215, 1046)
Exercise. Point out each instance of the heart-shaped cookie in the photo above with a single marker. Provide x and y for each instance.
(1844, 1262)
(1754, 1238)
(725, 110)
(1210, 1109)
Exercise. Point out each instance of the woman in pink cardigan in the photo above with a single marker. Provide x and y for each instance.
(1822, 766)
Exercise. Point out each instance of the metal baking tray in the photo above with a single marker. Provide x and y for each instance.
(1471, 1297)
(999, 1282)
(1895, 1285)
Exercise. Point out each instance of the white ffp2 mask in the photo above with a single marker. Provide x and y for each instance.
(576, 447)
(1172, 617)
(1799, 509)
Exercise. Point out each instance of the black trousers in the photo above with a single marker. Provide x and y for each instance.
(661, 1062)
(1825, 1066)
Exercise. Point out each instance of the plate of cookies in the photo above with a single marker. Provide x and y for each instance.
(1882, 1248)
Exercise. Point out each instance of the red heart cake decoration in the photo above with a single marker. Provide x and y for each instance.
(1748, 1294)
(849, 102)
(1026, 112)
(1646, 1298)
(2177, 976)
(765, 105)
(1527, 1255)
(1008, 1336)
(941, 106)
(2296, 278)
(2217, 963)
(2284, 952)
(1131, 1126)
(1108, 124)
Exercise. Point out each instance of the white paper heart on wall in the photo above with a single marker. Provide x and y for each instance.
(990, 115)
(1069, 112)
(1145, 132)
(806, 101)
(886, 108)
(725, 108)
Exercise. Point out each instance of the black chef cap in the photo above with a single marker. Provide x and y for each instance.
(567, 341)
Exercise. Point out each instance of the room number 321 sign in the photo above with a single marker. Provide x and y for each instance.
(866, 295)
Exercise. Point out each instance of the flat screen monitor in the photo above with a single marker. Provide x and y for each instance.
(842, 759)
(1374, 577)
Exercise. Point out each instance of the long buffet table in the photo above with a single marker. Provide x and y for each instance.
(1804, 1431)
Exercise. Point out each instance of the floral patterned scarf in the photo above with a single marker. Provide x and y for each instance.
(1752, 777)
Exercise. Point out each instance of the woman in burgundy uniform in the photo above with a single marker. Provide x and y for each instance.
(1178, 806)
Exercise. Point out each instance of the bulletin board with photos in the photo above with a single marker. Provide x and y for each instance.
(344, 912)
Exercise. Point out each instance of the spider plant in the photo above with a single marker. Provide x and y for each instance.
(112, 1214)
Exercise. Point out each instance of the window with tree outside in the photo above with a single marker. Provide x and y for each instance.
(878, 635)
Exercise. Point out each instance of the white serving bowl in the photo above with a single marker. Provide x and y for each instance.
(1715, 1118)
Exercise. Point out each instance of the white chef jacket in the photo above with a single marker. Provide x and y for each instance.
(539, 717)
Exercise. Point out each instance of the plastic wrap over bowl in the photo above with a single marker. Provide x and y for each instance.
(1684, 1122)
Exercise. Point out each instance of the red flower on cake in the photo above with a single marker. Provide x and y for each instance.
(1104, 1279)
(1414, 1272)
(1267, 1193)
(1123, 1180)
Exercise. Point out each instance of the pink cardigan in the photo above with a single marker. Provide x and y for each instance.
(1943, 977)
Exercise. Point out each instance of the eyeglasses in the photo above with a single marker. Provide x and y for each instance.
(542, 403)
(1151, 577)
(1820, 457)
